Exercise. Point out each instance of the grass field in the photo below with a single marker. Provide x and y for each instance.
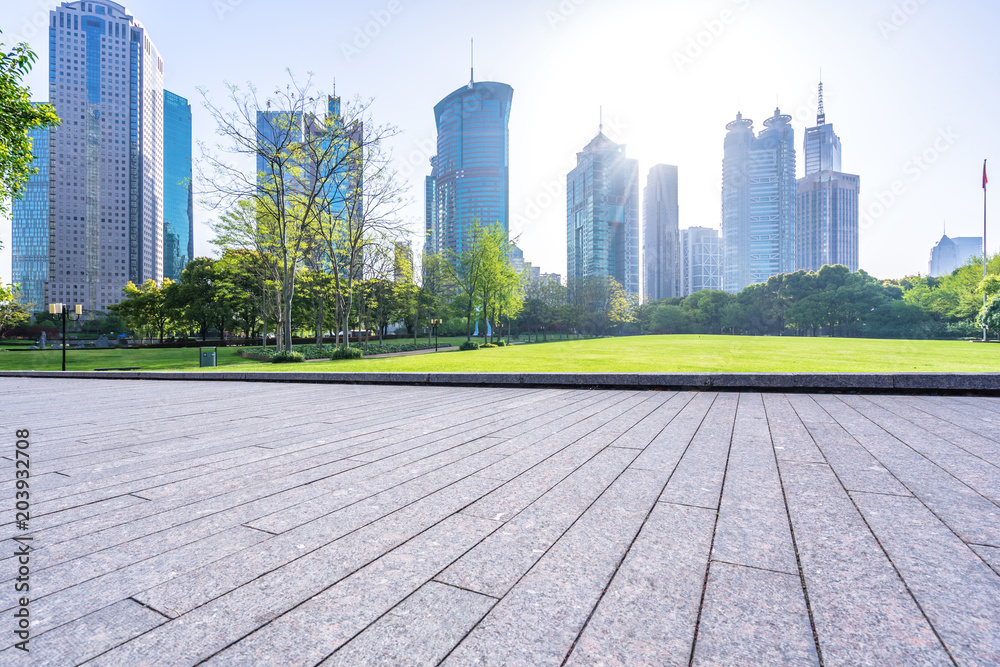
(662, 354)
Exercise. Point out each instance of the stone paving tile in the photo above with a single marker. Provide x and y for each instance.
(956, 589)
(666, 449)
(989, 554)
(857, 469)
(312, 631)
(753, 617)
(978, 438)
(979, 474)
(862, 610)
(537, 622)
(974, 518)
(790, 437)
(421, 630)
(497, 563)
(646, 618)
(697, 479)
(753, 522)
(522, 526)
(87, 637)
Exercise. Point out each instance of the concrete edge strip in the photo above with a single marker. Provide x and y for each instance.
(879, 383)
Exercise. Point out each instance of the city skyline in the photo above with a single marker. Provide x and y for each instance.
(901, 92)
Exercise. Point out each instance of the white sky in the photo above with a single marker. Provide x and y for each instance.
(906, 81)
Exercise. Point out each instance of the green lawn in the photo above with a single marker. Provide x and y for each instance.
(619, 355)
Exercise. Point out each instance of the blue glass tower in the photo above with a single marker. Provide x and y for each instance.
(178, 196)
(30, 227)
(472, 166)
(602, 215)
(758, 201)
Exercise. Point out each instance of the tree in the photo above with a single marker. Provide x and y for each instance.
(145, 308)
(989, 315)
(12, 312)
(323, 183)
(670, 319)
(17, 117)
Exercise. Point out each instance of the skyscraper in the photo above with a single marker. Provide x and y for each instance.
(602, 215)
(701, 260)
(827, 206)
(952, 253)
(30, 227)
(471, 177)
(661, 235)
(758, 201)
(178, 192)
(106, 159)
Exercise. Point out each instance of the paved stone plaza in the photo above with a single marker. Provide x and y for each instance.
(233, 523)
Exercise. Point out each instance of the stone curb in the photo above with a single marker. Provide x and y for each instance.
(884, 383)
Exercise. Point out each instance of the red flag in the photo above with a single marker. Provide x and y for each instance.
(985, 180)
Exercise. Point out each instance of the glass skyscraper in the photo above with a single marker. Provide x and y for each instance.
(827, 207)
(106, 159)
(661, 235)
(758, 201)
(178, 193)
(602, 215)
(701, 260)
(30, 227)
(471, 172)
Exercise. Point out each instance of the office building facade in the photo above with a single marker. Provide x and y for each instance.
(661, 235)
(701, 260)
(106, 159)
(953, 253)
(602, 215)
(827, 202)
(178, 190)
(30, 227)
(471, 171)
(758, 201)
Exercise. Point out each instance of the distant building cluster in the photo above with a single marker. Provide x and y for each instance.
(112, 201)
(772, 222)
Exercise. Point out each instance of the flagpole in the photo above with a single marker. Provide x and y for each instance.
(984, 241)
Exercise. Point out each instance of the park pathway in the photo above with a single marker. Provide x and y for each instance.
(229, 523)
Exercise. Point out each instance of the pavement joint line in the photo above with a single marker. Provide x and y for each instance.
(461, 588)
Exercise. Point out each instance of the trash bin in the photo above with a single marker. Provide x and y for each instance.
(208, 357)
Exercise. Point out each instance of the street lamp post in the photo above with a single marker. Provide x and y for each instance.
(63, 309)
(435, 323)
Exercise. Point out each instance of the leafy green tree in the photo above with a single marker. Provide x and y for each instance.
(12, 311)
(18, 115)
(145, 308)
(671, 319)
(989, 315)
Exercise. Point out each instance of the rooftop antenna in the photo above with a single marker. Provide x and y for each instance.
(821, 112)
(472, 68)
(600, 128)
